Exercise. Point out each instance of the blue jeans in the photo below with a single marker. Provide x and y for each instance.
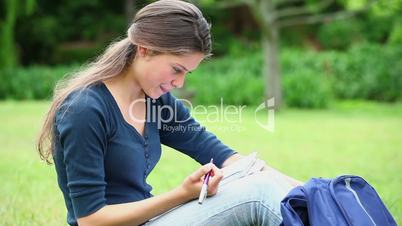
(248, 200)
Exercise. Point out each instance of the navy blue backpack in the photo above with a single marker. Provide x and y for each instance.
(343, 201)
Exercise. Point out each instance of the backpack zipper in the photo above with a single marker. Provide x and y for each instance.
(347, 184)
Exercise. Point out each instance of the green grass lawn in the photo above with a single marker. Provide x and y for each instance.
(349, 138)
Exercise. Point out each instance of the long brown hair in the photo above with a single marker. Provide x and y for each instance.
(165, 26)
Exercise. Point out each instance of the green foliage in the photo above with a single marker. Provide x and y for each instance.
(365, 71)
(340, 34)
(377, 29)
(306, 90)
(43, 28)
(396, 33)
(13, 9)
(7, 48)
(309, 79)
(237, 80)
(37, 82)
(39, 44)
(369, 71)
(69, 31)
(306, 82)
(76, 55)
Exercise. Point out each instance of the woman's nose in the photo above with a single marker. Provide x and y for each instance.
(178, 82)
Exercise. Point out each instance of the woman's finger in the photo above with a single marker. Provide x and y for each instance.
(195, 176)
(214, 181)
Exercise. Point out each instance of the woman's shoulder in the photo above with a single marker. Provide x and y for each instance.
(84, 103)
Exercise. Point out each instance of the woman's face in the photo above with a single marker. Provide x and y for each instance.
(159, 74)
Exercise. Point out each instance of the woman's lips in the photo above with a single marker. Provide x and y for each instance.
(163, 89)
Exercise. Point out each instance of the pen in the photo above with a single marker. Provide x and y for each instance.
(204, 189)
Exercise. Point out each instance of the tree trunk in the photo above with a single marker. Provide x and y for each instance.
(8, 57)
(272, 72)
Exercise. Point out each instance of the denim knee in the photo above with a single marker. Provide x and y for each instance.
(263, 188)
(255, 201)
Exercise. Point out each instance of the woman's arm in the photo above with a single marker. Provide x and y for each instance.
(135, 213)
(191, 138)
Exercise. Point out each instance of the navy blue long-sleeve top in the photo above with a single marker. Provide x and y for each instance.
(101, 159)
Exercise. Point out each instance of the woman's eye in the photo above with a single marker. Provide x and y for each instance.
(176, 70)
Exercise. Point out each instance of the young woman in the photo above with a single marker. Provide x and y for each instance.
(107, 122)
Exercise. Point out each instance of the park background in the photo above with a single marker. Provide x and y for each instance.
(339, 109)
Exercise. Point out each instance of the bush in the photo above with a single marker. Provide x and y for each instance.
(369, 71)
(340, 34)
(310, 79)
(237, 80)
(306, 89)
(36, 82)
(240, 81)
(306, 81)
(376, 29)
(80, 54)
(365, 71)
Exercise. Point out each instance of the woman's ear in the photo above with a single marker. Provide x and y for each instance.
(142, 51)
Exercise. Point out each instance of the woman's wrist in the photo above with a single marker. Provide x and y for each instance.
(181, 194)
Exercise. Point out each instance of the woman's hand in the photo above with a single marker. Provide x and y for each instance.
(191, 186)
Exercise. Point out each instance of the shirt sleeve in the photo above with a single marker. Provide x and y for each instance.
(179, 130)
(81, 132)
